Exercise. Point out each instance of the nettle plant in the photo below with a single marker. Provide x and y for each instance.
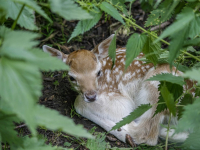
(184, 41)
(21, 62)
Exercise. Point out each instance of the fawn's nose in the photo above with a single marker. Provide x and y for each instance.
(91, 96)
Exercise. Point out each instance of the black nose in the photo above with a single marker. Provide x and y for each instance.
(91, 96)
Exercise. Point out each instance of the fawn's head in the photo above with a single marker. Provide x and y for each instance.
(85, 67)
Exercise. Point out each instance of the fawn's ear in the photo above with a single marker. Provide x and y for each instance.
(55, 53)
(101, 50)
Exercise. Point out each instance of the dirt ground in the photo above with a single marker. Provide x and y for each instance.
(58, 93)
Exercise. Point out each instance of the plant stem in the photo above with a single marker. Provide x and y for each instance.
(145, 31)
(137, 26)
(166, 142)
(15, 22)
(190, 55)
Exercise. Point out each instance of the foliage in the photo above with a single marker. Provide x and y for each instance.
(21, 63)
(21, 79)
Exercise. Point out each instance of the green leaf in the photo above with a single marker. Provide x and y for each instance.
(133, 115)
(187, 99)
(112, 49)
(69, 10)
(193, 74)
(152, 49)
(85, 25)
(111, 11)
(7, 132)
(12, 45)
(176, 44)
(58, 122)
(175, 89)
(194, 28)
(157, 16)
(182, 21)
(33, 5)
(171, 8)
(121, 5)
(99, 142)
(35, 144)
(25, 81)
(193, 42)
(45, 62)
(193, 141)
(169, 99)
(168, 77)
(134, 47)
(27, 17)
(190, 119)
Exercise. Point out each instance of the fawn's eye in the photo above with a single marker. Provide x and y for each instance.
(72, 78)
(98, 73)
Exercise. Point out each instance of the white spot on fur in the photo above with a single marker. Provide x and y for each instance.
(64, 60)
(147, 66)
(138, 70)
(136, 62)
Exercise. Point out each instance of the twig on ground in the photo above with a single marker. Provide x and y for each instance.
(160, 26)
(50, 37)
(20, 126)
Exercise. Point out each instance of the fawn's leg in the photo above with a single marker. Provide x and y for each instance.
(90, 113)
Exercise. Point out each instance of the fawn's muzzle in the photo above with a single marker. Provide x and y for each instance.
(90, 96)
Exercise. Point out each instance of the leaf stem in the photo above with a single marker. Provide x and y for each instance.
(166, 142)
(145, 31)
(15, 22)
(190, 55)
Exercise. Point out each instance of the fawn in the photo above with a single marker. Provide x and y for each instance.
(108, 95)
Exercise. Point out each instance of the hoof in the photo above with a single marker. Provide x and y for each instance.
(130, 141)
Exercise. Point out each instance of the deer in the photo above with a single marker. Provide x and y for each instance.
(108, 94)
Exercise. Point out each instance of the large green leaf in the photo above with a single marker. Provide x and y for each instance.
(85, 25)
(33, 5)
(194, 27)
(69, 10)
(133, 115)
(176, 44)
(12, 45)
(168, 77)
(193, 74)
(112, 49)
(193, 141)
(27, 17)
(45, 62)
(111, 11)
(25, 82)
(169, 99)
(190, 119)
(195, 42)
(182, 21)
(56, 122)
(134, 47)
(152, 49)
